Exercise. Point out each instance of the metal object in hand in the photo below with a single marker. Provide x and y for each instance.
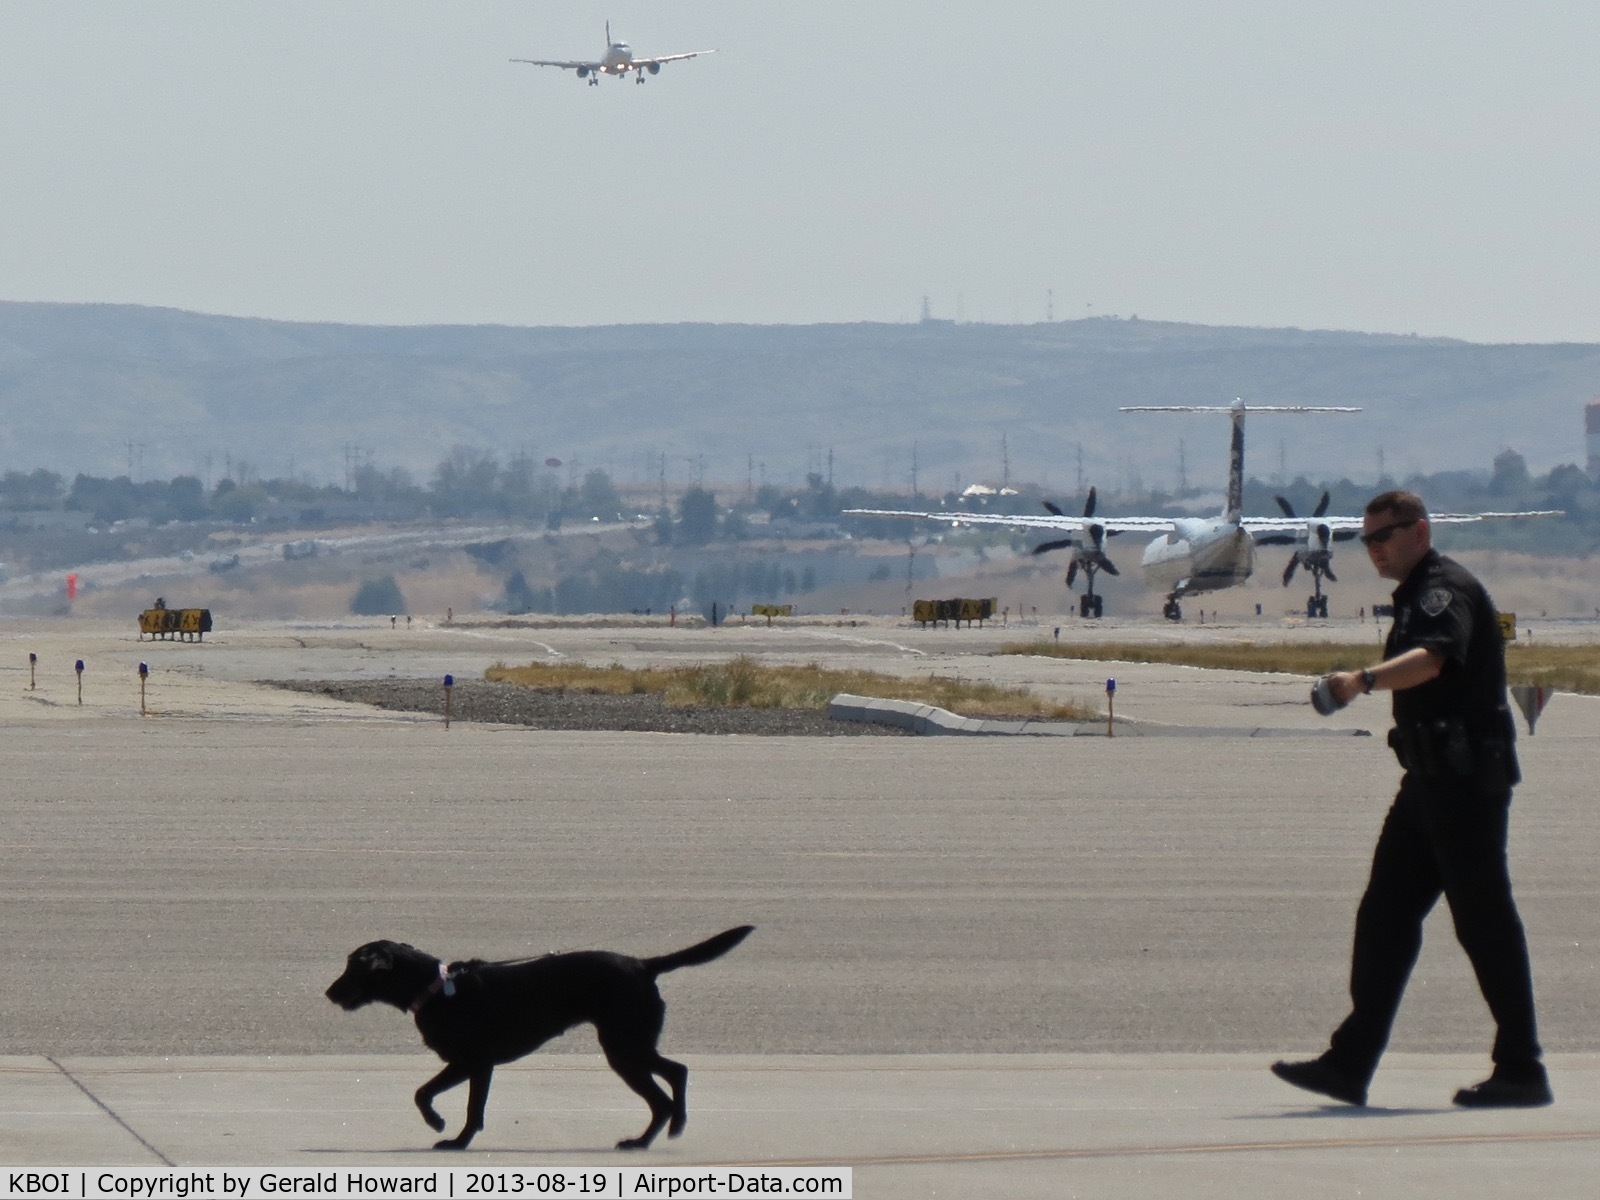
(1323, 699)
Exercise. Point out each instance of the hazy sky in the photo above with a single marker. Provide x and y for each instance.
(1401, 167)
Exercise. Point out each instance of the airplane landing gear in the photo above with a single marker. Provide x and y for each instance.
(1172, 611)
(1091, 605)
(1317, 606)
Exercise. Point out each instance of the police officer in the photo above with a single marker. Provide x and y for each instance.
(1446, 831)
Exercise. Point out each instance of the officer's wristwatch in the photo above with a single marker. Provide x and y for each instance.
(1368, 682)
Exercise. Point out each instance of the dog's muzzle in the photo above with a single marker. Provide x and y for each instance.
(346, 993)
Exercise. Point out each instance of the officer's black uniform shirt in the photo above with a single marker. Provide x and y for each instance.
(1442, 606)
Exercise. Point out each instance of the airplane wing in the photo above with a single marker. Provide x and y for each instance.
(1463, 518)
(1270, 530)
(666, 58)
(1109, 524)
(565, 66)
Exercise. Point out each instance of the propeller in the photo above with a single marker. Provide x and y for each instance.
(1317, 559)
(1091, 556)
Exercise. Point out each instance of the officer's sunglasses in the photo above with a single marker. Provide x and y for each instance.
(1379, 536)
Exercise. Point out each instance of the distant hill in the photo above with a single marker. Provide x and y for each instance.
(78, 383)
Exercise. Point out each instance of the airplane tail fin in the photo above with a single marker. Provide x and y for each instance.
(1236, 410)
(1235, 507)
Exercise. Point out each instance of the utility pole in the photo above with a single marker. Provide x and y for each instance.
(1005, 463)
(1183, 468)
(914, 490)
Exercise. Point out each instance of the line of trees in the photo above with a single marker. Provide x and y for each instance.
(476, 484)
(467, 483)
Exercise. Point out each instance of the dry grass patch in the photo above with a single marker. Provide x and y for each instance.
(744, 683)
(1566, 668)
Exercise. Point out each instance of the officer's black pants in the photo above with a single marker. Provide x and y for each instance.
(1449, 840)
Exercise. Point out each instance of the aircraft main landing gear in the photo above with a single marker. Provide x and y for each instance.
(1171, 610)
(1317, 606)
(1091, 605)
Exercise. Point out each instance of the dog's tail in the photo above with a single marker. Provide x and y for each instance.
(704, 952)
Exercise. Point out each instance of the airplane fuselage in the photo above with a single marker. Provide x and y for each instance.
(1200, 554)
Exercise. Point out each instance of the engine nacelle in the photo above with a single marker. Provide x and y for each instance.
(583, 72)
(655, 68)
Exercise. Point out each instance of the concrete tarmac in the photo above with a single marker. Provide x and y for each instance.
(1204, 1125)
(982, 966)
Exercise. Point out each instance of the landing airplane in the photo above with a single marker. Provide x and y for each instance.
(1194, 555)
(618, 61)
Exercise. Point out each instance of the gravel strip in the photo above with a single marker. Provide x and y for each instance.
(539, 708)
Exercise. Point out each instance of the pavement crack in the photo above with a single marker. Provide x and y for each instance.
(109, 1111)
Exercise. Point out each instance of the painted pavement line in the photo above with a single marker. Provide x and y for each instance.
(109, 1111)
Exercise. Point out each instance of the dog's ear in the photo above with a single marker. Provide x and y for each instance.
(374, 956)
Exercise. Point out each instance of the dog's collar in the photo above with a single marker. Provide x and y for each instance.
(442, 984)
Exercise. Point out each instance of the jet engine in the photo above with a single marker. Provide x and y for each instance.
(654, 68)
(583, 72)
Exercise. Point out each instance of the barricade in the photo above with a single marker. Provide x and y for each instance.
(182, 624)
(926, 612)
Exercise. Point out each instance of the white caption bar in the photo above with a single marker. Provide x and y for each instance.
(365, 1183)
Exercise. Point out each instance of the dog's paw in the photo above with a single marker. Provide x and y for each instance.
(676, 1127)
(455, 1143)
(637, 1143)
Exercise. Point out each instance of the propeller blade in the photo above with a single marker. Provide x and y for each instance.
(1322, 505)
(1288, 572)
(1054, 508)
(1323, 535)
(1097, 535)
(1109, 567)
(1288, 509)
(1328, 571)
(1046, 547)
(1072, 572)
(1088, 505)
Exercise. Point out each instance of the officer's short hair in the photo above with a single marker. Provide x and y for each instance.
(1403, 506)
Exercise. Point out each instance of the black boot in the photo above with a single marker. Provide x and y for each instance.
(1315, 1075)
(1528, 1087)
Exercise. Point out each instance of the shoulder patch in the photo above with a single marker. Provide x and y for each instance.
(1436, 600)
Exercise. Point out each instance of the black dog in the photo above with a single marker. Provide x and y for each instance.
(475, 1015)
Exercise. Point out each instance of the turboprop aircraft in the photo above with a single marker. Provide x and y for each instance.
(1194, 555)
(618, 60)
